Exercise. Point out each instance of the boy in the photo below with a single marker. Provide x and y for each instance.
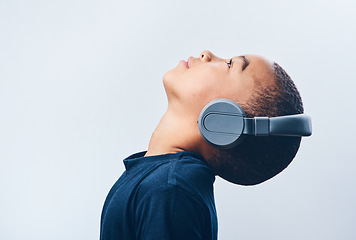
(167, 192)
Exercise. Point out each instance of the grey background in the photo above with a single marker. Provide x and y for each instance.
(81, 89)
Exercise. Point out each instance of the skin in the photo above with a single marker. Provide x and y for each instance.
(194, 83)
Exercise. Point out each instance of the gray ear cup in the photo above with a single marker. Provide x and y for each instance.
(221, 123)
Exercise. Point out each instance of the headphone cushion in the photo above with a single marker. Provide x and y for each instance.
(221, 123)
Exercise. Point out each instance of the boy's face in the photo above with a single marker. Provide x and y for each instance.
(195, 82)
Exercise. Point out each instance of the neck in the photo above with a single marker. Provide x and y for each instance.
(176, 134)
(173, 135)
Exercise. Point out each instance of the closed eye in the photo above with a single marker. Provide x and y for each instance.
(229, 63)
(246, 62)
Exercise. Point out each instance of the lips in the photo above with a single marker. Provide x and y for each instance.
(189, 61)
(186, 63)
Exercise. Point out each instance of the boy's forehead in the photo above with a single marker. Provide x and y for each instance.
(260, 62)
(261, 69)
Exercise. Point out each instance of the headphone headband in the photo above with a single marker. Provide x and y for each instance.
(298, 125)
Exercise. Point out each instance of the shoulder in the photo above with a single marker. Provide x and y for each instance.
(178, 191)
(172, 212)
(185, 170)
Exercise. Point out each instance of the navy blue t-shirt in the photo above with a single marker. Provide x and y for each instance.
(161, 197)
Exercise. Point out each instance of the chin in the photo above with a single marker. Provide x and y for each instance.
(168, 83)
(170, 80)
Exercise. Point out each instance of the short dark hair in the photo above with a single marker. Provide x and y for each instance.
(258, 159)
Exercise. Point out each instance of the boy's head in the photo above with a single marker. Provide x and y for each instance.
(260, 87)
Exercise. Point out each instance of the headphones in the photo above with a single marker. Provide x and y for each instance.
(223, 124)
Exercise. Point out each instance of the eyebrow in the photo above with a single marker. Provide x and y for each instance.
(246, 62)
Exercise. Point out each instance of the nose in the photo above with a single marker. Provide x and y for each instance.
(206, 56)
